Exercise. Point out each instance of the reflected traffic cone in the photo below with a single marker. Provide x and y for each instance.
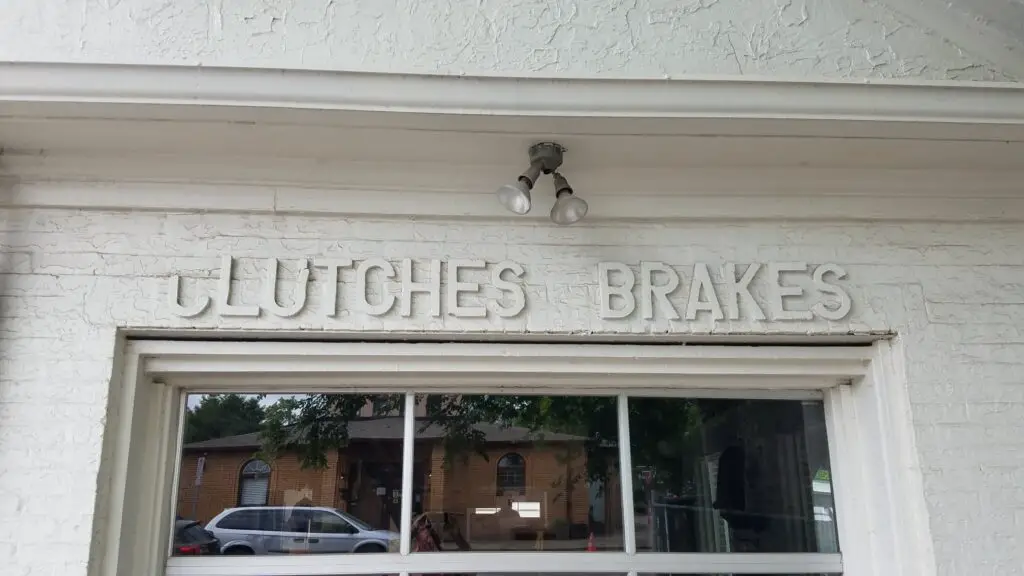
(591, 547)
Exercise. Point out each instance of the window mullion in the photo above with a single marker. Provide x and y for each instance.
(408, 444)
(626, 477)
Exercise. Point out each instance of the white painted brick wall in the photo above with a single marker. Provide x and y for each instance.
(69, 279)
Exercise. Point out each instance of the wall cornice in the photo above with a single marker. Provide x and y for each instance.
(949, 102)
(175, 138)
(813, 197)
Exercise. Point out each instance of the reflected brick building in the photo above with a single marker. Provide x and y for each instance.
(521, 486)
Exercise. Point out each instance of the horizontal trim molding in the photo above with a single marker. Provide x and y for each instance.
(478, 360)
(990, 198)
(469, 337)
(671, 98)
(509, 562)
(659, 386)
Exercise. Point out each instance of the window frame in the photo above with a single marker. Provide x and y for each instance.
(243, 476)
(501, 488)
(867, 419)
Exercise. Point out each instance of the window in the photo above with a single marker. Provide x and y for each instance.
(727, 475)
(710, 475)
(511, 474)
(564, 500)
(316, 522)
(664, 460)
(246, 520)
(254, 483)
(329, 523)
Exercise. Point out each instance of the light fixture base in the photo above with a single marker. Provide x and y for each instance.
(548, 155)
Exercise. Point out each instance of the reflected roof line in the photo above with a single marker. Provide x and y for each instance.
(391, 428)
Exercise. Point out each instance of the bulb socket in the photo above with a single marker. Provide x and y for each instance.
(562, 186)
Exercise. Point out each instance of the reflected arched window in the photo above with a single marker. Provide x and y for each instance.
(254, 484)
(512, 473)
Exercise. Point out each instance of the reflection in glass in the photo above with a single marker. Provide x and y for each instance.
(322, 473)
(540, 574)
(306, 474)
(731, 476)
(508, 473)
(255, 483)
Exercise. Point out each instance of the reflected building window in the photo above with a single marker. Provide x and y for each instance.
(511, 474)
(254, 483)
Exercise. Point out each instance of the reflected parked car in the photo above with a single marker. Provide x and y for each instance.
(296, 530)
(191, 540)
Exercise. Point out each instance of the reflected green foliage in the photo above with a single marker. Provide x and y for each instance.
(220, 415)
(663, 430)
(314, 424)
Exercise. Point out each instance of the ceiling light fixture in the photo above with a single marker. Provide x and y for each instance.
(545, 158)
(568, 208)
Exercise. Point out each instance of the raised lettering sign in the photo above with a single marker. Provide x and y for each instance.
(785, 295)
(464, 298)
(774, 291)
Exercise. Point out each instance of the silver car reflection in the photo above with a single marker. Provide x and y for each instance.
(296, 530)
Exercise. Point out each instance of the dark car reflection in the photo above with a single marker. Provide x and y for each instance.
(190, 539)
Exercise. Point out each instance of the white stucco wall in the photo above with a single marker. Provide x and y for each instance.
(69, 279)
(605, 38)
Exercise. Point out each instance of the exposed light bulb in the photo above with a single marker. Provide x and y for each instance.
(516, 197)
(545, 158)
(568, 209)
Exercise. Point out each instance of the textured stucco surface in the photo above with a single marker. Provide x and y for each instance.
(69, 279)
(602, 38)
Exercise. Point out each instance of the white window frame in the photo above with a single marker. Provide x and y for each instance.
(879, 500)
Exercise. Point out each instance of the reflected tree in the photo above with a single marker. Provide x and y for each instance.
(314, 424)
(220, 415)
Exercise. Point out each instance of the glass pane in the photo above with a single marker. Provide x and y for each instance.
(516, 473)
(290, 474)
(554, 573)
(731, 476)
(548, 573)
